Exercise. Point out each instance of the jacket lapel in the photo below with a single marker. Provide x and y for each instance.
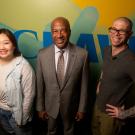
(70, 65)
(51, 63)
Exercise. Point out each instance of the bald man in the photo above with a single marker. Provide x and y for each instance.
(117, 77)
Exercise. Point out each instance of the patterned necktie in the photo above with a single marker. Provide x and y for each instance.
(60, 68)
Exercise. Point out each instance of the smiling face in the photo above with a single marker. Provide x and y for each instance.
(6, 48)
(60, 32)
(120, 32)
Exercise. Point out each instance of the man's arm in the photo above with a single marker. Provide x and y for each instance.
(99, 83)
(119, 112)
(40, 95)
(84, 90)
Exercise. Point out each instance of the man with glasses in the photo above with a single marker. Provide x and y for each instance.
(117, 77)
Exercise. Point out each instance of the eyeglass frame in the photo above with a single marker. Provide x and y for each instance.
(118, 31)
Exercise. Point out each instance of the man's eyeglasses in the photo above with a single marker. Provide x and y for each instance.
(114, 31)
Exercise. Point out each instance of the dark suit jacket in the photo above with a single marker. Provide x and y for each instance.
(72, 97)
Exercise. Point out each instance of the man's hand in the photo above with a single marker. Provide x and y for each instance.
(79, 116)
(114, 111)
(43, 115)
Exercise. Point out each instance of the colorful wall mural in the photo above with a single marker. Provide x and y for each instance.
(30, 21)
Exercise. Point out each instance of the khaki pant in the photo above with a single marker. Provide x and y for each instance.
(102, 124)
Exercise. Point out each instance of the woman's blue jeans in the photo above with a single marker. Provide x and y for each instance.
(9, 125)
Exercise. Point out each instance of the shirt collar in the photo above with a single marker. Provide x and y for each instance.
(57, 50)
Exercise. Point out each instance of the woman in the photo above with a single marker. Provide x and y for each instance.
(17, 87)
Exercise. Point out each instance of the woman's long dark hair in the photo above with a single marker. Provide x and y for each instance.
(12, 38)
